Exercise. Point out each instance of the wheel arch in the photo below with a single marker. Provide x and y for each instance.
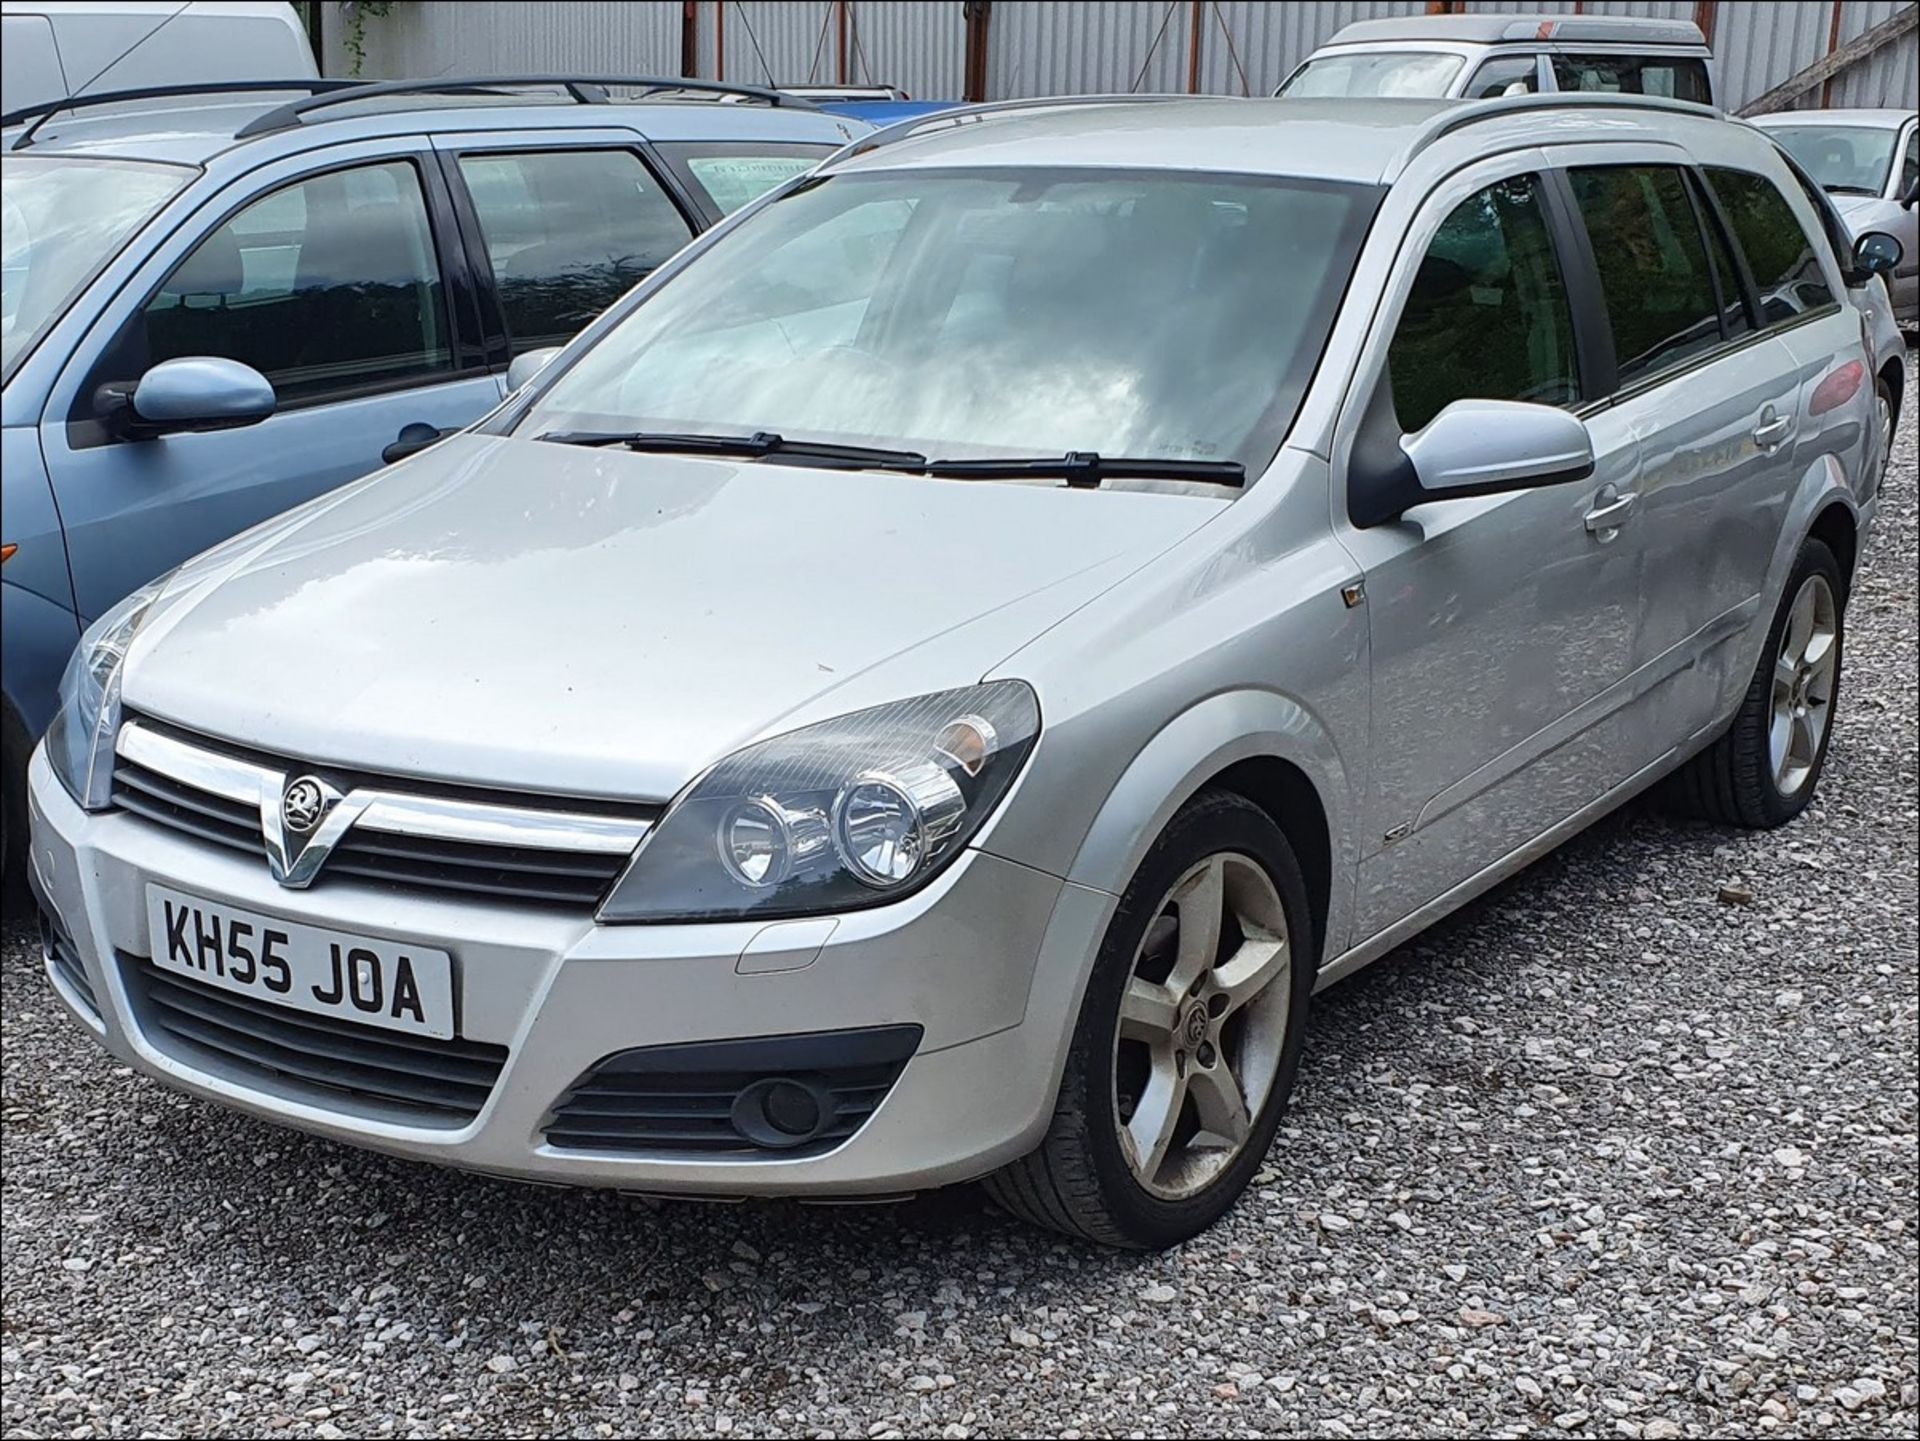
(1894, 375)
(1835, 526)
(1262, 745)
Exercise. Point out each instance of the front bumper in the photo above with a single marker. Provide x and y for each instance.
(988, 962)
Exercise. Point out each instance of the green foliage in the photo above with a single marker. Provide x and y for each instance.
(355, 14)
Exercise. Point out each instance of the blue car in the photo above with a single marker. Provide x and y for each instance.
(220, 305)
(886, 112)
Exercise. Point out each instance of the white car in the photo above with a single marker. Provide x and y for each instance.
(1868, 161)
(1480, 57)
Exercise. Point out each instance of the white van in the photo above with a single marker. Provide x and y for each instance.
(50, 50)
(1472, 57)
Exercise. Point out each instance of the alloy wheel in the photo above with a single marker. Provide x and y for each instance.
(1804, 672)
(1883, 408)
(1202, 1026)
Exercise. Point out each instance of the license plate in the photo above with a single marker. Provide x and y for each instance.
(392, 984)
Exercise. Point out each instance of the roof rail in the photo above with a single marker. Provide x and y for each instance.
(583, 89)
(44, 111)
(1458, 117)
(967, 114)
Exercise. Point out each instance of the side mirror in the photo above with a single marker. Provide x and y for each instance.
(525, 367)
(1482, 447)
(1473, 447)
(196, 392)
(1912, 197)
(1877, 253)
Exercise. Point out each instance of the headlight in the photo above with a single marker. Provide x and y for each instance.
(851, 812)
(80, 740)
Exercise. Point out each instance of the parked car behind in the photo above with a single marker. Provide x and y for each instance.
(50, 51)
(1473, 57)
(220, 308)
(928, 686)
(1869, 162)
(875, 104)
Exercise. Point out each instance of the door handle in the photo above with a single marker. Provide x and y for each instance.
(1771, 430)
(1610, 513)
(412, 439)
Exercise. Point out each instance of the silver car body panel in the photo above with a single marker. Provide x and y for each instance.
(1456, 692)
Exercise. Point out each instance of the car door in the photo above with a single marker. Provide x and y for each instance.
(344, 285)
(559, 225)
(1503, 628)
(1711, 394)
(1904, 283)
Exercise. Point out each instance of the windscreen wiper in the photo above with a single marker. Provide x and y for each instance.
(1086, 469)
(762, 444)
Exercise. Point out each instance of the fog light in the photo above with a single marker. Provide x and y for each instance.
(782, 1111)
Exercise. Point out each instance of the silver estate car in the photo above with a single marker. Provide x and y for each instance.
(929, 686)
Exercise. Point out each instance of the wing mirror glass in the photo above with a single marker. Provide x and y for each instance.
(525, 367)
(1877, 253)
(193, 393)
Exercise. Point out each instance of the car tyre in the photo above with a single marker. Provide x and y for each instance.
(1885, 412)
(14, 750)
(1763, 771)
(1227, 1010)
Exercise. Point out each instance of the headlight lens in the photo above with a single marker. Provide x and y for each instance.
(80, 739)
(851, 812)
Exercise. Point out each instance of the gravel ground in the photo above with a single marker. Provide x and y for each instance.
(1608, 1154)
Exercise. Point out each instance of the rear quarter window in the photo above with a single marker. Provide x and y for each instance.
(1782, 257)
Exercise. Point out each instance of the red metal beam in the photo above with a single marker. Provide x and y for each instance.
(1193, 47)
(689, 37)
(841, 7)
(1705, 12)
(974, 84)
(719, 39)
(1833, 44)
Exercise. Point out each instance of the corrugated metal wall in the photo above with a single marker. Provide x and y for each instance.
(457, 37)
(918, 45)
(1041, 47)
(1887, 74)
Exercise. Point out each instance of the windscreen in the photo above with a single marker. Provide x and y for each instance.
(1403, 73)
(977, 314)
(61, 220)
(1844, 159)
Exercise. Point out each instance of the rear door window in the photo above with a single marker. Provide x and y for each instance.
(327, 287)
(1785, 265)
(1678, 77)
(567, 233)
(1654, 273)
(1488, 316)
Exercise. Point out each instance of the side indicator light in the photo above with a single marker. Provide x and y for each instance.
(6, 553)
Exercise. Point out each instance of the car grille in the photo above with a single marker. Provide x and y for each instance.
(432, 1080)
(684, 1098)
(161, 776)
(63, 959)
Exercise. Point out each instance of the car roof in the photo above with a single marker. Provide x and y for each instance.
(1877, 119)
(1367, 142)
(1508, 29)
(194, 130)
